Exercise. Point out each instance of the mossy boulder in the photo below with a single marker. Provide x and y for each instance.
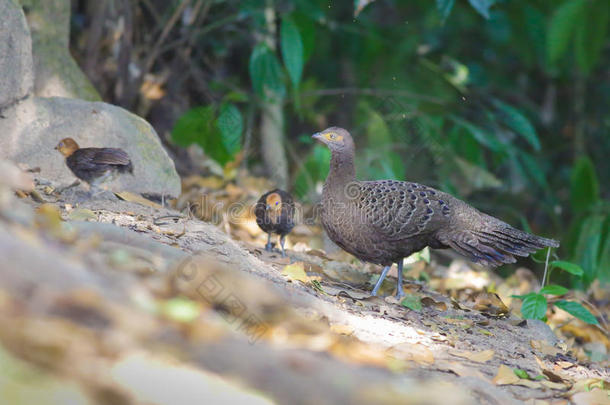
(56, 72)
(16, 65)
(32, 128)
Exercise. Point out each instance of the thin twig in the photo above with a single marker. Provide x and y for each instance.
(166, 30)
(198, 32)
(153, 11)
(546, 265)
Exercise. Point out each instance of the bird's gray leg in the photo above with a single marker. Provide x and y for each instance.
(61, 190)
(399, 291)
(282, 240)
(383, 274)
(268, 245)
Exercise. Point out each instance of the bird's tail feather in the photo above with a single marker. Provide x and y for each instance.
(496, 244)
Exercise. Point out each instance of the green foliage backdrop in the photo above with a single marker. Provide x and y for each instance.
(501, 102)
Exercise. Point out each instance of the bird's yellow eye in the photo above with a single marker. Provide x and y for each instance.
(331, 136)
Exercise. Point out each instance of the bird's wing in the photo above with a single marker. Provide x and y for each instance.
(110, 156)
(399, 210)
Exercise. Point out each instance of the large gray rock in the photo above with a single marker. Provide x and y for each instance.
(57, 74)
(32, 128)
(16, 67)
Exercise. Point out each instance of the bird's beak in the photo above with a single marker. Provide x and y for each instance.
(267, 207)
(317, 136)
(55, 148)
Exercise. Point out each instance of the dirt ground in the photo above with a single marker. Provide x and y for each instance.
(116, 296)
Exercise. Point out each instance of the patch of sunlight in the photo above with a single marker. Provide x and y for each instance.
(372, 329)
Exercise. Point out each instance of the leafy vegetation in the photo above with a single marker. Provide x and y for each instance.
(502, 103)
(535, 305)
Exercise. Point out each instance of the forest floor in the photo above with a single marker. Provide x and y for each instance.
(123, 301)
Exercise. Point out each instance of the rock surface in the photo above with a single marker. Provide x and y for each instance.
(32, 128)
(16, 64)
(56, 72)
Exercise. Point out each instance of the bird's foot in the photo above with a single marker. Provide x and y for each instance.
(400, 294)
(269, 247)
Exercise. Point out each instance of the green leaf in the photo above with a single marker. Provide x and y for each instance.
(411, 301)
(567, 266)
(539, 256)
(561, 28)
(591, 36)
(307, 29)
(194, 126)
(483, 137)
(553, 289)
(588, 245)
(518, 123)
(532, 169)
(266, 73)
(478, 177)
(181, 309)
(604, 258)
(521, 373)
(584, 187)
(313, 172)
(423, 254)
(292, 50)
(534, 306)
(482, 6)
(535, 30)
(577, 310)
(230, 124)
(444, 8)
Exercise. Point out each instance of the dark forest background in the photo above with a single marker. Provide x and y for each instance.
(502, 103)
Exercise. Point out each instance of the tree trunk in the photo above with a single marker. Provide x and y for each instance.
(272, 121)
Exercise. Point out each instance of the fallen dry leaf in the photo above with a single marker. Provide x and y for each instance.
(462, 370)
(505, 376)
(430, 302)
(588, 384)
(555, 385)
(479, 357)
(414, 352)
(82, 214)
(136, 198)
(544, 347)
(490, 303)
(296, 271)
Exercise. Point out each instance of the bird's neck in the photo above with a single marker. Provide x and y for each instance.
(342, 171)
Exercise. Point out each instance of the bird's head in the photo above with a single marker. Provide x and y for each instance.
(67, 146)
(273, 202)
(337, 139)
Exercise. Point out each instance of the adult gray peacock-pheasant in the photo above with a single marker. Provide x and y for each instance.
(385, 221)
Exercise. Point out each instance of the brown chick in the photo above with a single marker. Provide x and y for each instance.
(94, 165)
(274, 213)
(385, 221)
